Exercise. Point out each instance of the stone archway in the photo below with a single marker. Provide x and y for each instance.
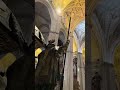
(42, 19)
(50, 9)
(79, 36)
(115, 55)
(51, 26)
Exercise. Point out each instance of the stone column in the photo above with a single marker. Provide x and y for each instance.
(81, 72)
(108, 77)
(88, 71)
(68, 71)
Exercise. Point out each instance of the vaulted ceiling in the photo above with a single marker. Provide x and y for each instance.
(74, 9)
(107, 12)
(61, 3)
(71, 8)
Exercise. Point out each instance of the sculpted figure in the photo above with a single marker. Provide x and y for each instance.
(47, 71)
(96, 82)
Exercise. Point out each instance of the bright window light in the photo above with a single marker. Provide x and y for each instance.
(59, 11)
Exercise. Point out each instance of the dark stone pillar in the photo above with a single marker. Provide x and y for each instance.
(24, 13)
(108, 77)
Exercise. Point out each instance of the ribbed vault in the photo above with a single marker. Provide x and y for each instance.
(73, 8)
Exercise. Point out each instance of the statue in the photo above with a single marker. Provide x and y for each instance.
(47, 71)
(76, 85)
(96, 82)
(75, 67)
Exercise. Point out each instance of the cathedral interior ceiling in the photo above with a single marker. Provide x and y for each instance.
(73, 8)
(42, 11)
(42, 17)
(80, 32)
(115, 35)
(109, 17)
(108, 13)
